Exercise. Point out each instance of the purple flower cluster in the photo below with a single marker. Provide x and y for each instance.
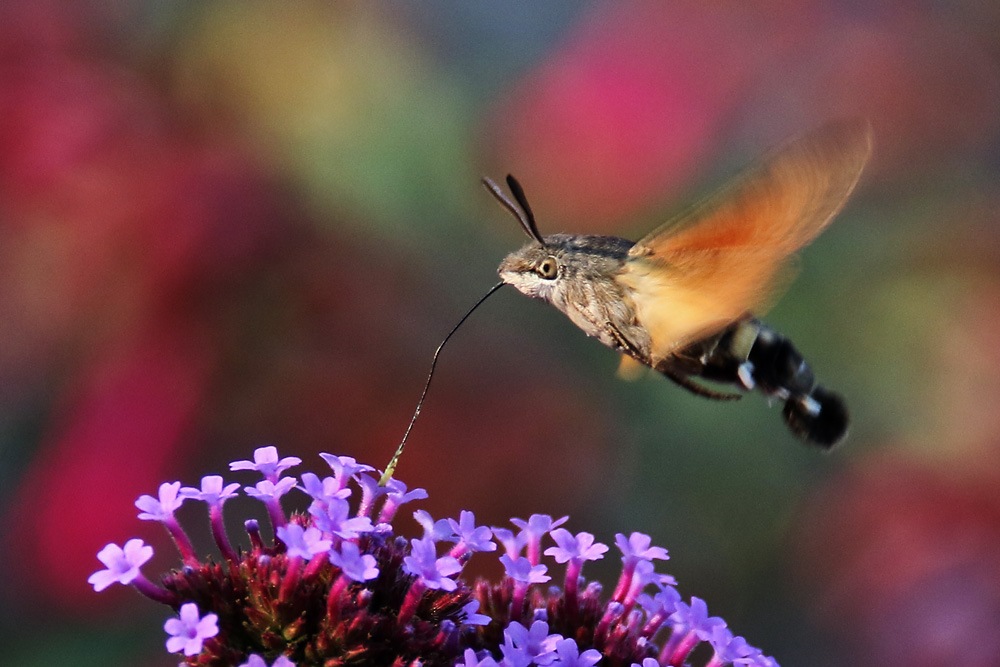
(337, 586)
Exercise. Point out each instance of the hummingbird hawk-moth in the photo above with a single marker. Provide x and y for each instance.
(681, 299)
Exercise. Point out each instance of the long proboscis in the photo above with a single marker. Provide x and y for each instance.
(391, 468)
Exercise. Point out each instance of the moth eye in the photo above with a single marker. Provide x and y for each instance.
(548, 269)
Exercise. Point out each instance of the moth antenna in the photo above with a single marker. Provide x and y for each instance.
(391, 468)
(521, 210)
(518, 192)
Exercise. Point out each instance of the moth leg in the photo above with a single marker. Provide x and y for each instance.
(624, 344)
(697, 389)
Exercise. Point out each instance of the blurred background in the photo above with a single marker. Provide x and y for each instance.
(227, 224)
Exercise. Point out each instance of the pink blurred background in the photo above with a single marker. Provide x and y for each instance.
(228, 224)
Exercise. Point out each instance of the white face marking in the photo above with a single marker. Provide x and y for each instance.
(530, 284)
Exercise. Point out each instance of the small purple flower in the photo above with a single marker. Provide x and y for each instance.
(370, 492)
(438, 531)
(255, 660)
(323, 490)
(344, 467)
(643, 575)
(662, 579)
(516, 658)
(535, 644)
(434, 572)
(398, 492)
(267, 491)
(397, 496)
(728, 648)
(471, 538)
(581, 547)
(162, 508)
(534, 529)
(570, 656)
(538, 524)
(334, 520)
(695, 618)
(214, 494)
(270, 492)
(266, 462)
(512, 544)
(574, 551)
(212, 490)
(355, 566)
(471, 660)
(471, 616)
(635, 549)
(302, 543)
(190, 630)
(647, 662)
(637, 546)
(122, 564)
(659, 606)
(523, 571)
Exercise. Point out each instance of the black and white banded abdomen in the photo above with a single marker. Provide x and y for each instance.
(752, 355)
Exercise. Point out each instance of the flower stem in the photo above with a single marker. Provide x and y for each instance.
(291, 579)
(253, 530)
(219, 533)
(315, 563)
(334, 597)
(612, 612)
(276, 514)
(571, 586)
(182, 541)
(154, 592)
(684, 647)
(625, 581)
(409, 606)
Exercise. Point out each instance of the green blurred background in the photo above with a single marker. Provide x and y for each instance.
(229, 224)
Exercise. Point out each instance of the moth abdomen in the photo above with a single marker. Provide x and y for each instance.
(821, 417)
(778, 365)
(812, 412)
(752, 355)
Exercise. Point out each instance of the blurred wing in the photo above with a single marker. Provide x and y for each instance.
(630, 369)
(708, 267)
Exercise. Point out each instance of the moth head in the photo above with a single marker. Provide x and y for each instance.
(536, 268)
